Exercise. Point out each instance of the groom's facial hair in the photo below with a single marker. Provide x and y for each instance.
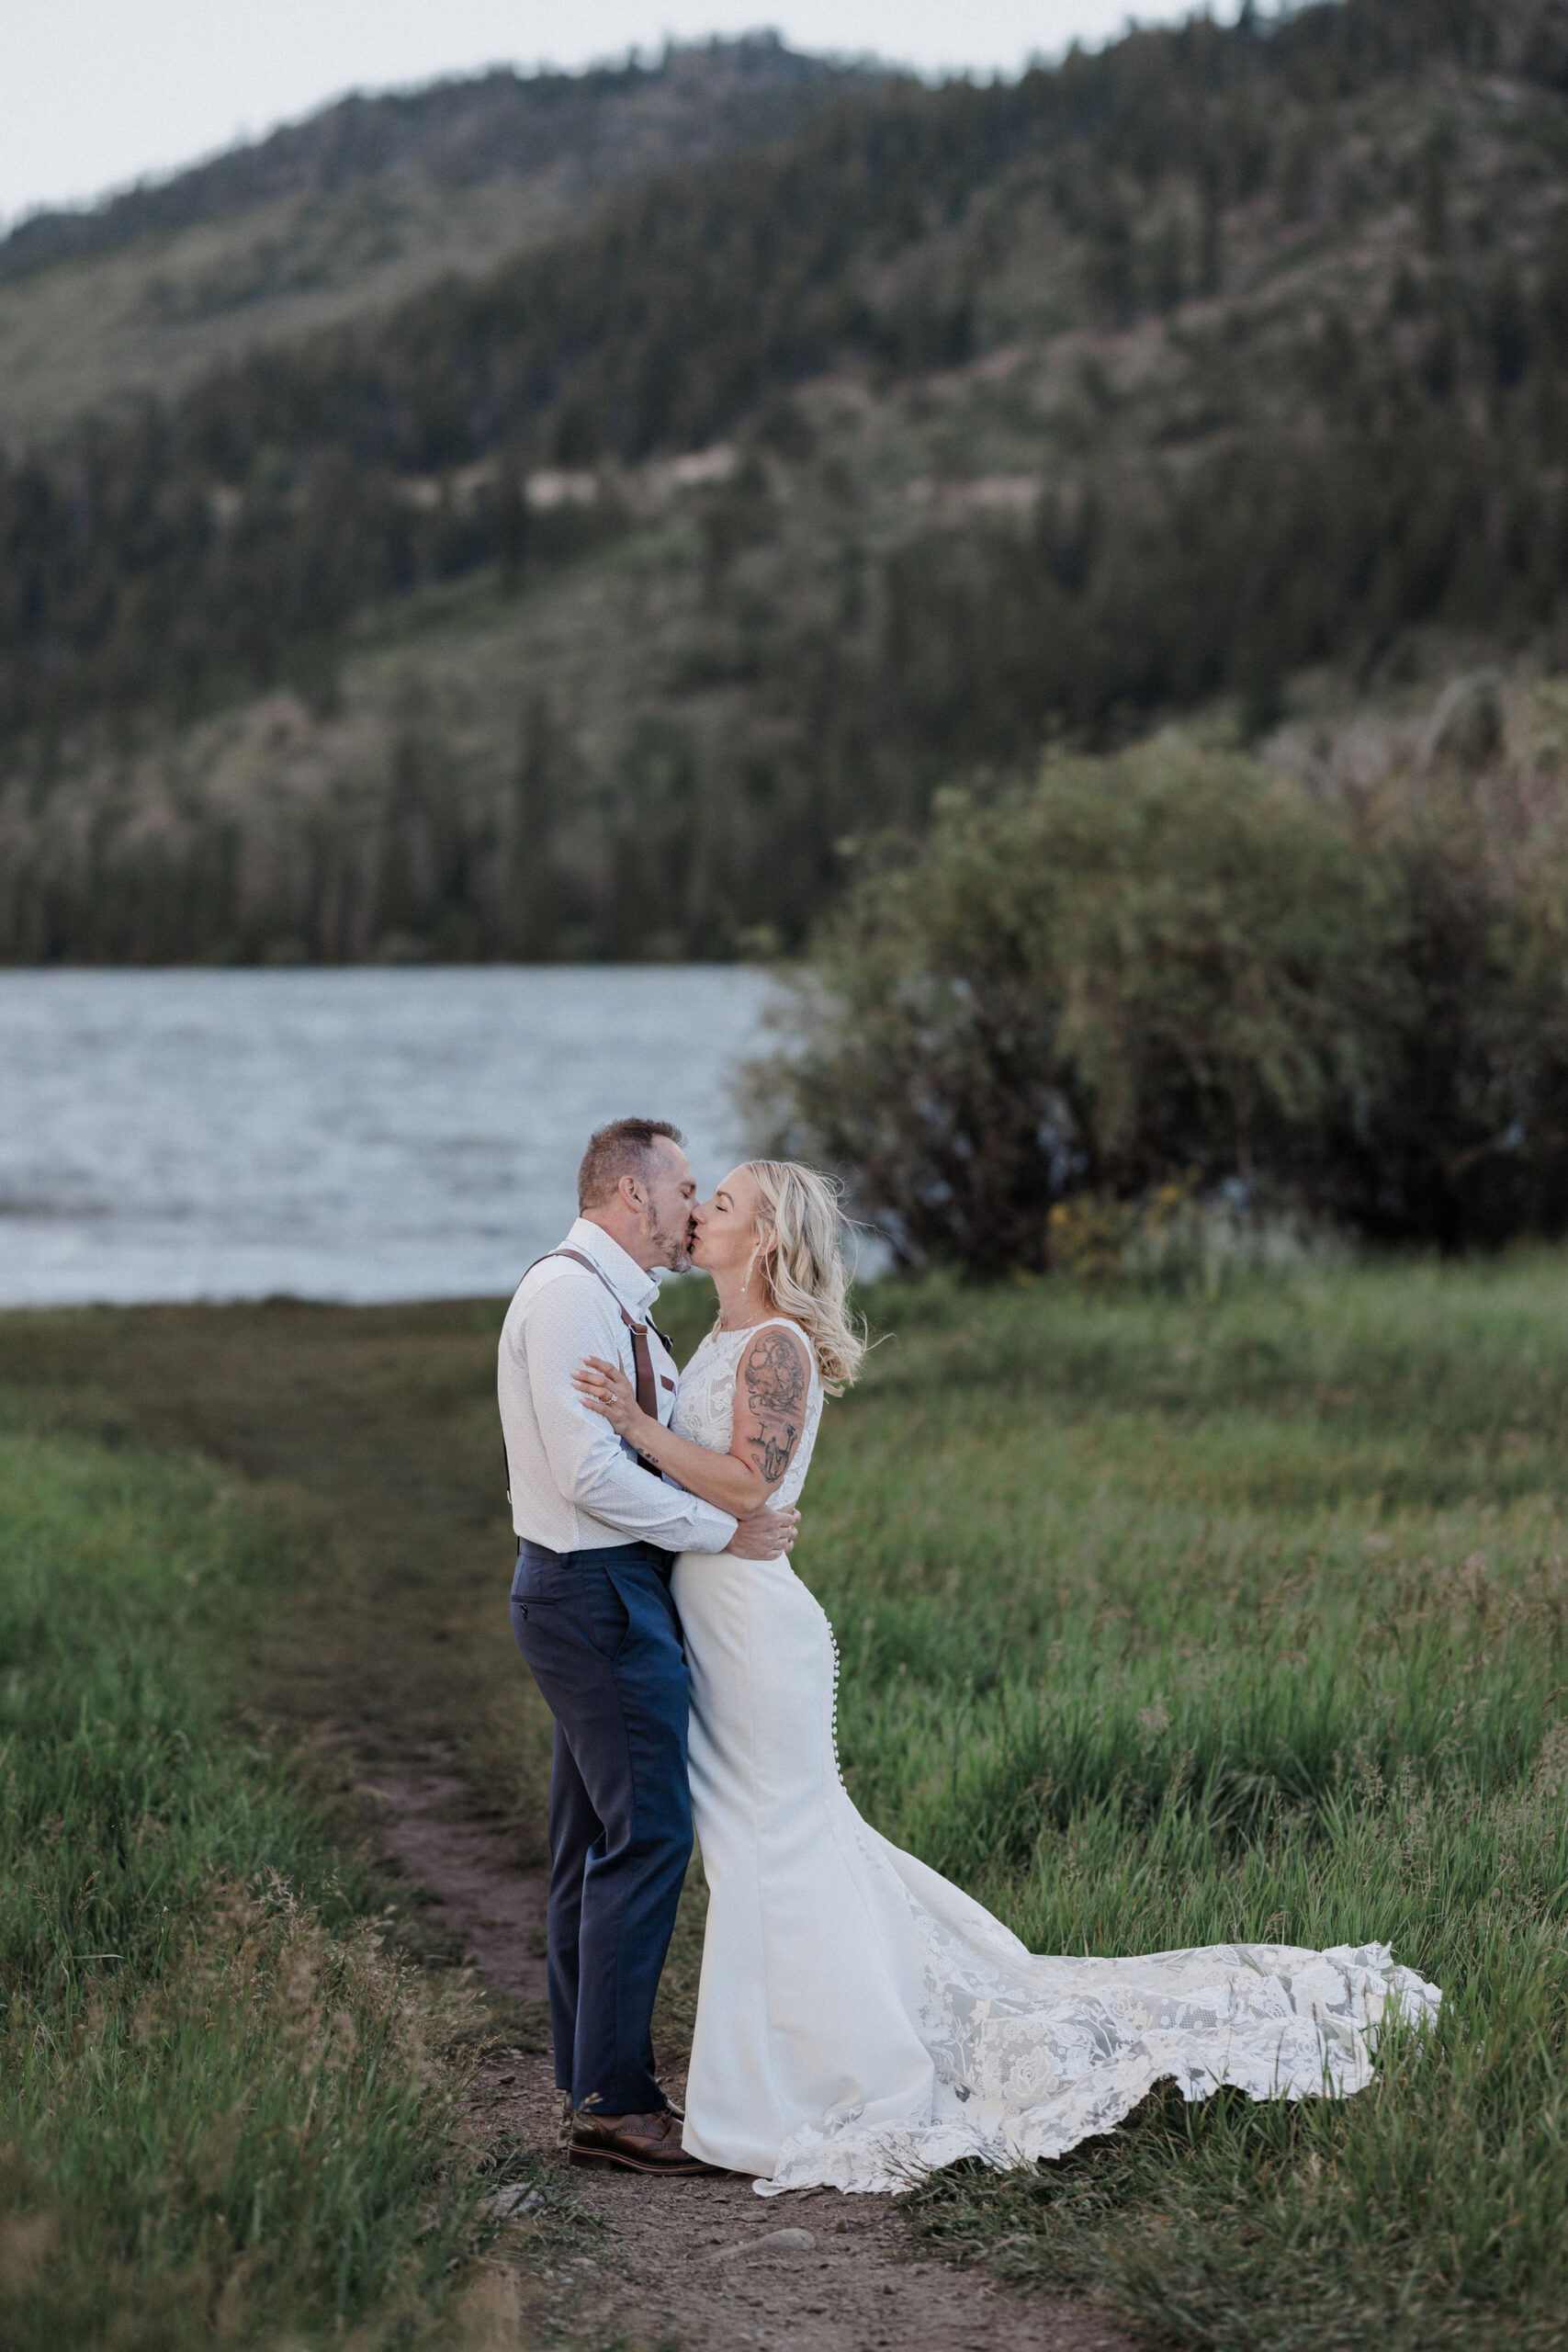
(668, 1191)
(676, 1248)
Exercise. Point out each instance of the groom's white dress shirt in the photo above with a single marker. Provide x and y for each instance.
(575, 1485)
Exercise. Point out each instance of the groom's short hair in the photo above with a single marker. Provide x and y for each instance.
(623, 1148)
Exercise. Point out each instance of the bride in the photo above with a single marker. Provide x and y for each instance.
(860, 2021)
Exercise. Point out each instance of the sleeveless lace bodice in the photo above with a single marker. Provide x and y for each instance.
(705, 1403)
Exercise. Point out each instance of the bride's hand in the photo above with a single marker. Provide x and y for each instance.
(604, 1388)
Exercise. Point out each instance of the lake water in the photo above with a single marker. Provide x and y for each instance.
(338, 1135)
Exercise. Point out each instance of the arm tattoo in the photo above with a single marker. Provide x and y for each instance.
(775, 1387)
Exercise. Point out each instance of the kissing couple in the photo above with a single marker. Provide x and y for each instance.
(860, 2021)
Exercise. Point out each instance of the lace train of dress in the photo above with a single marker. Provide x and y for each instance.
(860, 2021)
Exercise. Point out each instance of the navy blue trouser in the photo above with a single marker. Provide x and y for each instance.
(600, 1637)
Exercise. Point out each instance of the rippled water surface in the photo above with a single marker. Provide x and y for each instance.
(342, 1135)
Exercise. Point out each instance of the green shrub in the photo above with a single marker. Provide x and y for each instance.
(1174, 969)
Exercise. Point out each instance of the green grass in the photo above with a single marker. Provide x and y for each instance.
(222, 2108)
(1164, 1621)
(1169, 1621)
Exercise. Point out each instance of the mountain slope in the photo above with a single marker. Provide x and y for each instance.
(1222, 362)
(353, 210)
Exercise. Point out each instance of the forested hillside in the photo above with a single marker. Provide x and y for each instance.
(588, 607)
(351, 212)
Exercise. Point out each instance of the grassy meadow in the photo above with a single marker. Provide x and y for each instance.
(1175, 1621)
(229, 2112)
(1166, 1619)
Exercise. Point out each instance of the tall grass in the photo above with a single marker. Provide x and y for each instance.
(1164, 1620)
(218, 2112)
(1177, 1621)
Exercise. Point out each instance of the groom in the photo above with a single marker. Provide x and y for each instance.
(592, 1610)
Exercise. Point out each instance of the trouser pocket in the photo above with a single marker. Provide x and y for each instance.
(604, 1616)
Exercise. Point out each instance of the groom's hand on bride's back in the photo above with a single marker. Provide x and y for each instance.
(766, 1535)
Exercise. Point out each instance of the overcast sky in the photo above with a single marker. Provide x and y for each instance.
(95, 93)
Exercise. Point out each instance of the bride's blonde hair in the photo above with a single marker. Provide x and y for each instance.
(804, 1267)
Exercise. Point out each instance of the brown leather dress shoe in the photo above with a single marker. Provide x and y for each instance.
(635, 2142)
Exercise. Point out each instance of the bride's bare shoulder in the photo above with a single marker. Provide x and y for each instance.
(775, 1345)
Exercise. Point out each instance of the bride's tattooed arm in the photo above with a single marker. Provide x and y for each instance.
(772, 1391)
(771, 1406)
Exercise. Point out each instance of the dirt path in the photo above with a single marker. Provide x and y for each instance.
(382, 1419)
(697, 2266)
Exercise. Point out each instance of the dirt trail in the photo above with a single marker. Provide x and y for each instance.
(694, 2266)
(400, 1659)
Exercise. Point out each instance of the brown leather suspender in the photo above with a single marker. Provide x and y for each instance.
(647, 1394)
(646, 1388)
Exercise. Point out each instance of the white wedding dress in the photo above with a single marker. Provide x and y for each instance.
(861, 2021)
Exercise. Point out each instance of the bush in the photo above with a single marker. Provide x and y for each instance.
(1174, 969)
